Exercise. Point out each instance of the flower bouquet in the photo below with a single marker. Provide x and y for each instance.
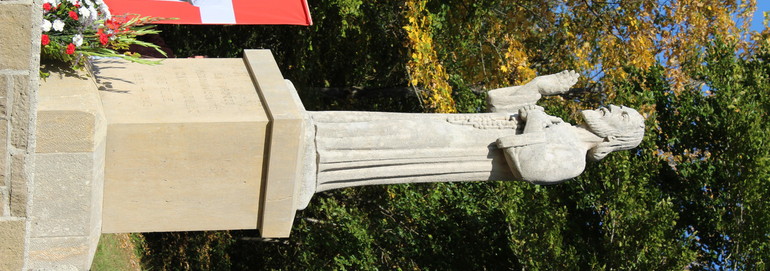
(75, 30)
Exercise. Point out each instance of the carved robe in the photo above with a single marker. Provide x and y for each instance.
(366, 148)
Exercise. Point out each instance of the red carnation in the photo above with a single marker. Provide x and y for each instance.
(73, 15)
(103, 38)
(70, 49)
(112, 24)
(47, 6)
(45, 40)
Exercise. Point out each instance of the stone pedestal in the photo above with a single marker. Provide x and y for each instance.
(187, 145)
(200, 144)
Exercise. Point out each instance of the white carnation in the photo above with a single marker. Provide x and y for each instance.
(73, 2)
(58, 25)
(46, 26)
(89, 3)
(77, 40)
(94, 14)
(84, 12)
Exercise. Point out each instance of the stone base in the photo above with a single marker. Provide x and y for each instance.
(183, 176)
(185, 145)
(201, 144)
(191, 144)
(66, 214)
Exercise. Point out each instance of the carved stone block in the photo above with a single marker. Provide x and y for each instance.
(185, 145)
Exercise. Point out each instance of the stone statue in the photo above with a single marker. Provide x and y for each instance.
(516, 141)
(549, 151)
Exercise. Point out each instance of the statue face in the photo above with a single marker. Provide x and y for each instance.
(613, 120)
(621, 127)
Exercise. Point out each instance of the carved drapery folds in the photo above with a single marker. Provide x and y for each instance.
(518, 141)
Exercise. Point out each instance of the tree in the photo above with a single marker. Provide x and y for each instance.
(718, 164)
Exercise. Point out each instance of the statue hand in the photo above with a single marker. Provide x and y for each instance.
(511, 99)
(525, 111)
(557, 83)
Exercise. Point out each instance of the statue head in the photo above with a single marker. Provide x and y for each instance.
(622, 128)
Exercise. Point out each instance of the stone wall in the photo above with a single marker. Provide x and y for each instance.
(19, 62)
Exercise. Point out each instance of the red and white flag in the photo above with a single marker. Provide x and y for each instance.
(290, 12)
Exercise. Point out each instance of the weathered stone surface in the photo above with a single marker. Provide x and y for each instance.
(185, 145)
(65, 131)
(12, 244)
(4, 86)
(69, 170)
(15, 22)
(284, 167)
(3, 200)
(69, 115)
(19, 57)
(97, 196)
(62, 198)
(368, 148)
(309, 168)
(59, 253)
(4, 152)
(20, 112)
(187, 176)
(178, 90)
(19, 190)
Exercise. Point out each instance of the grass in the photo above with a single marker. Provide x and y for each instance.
(115, 252)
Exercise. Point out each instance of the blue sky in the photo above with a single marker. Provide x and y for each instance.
(756, 23)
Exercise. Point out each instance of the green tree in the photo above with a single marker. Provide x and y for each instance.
(718, 168)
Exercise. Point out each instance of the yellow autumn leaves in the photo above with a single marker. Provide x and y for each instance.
(498, 43)
(425, 69)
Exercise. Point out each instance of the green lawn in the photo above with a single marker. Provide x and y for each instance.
(115, 252)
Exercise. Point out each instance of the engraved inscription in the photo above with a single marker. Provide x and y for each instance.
(208, 92)
(194, 86)
(200, 89)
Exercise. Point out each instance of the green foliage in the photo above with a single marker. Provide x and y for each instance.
(467, 100)
(185, 250)
(430, 226)
(718, 168)
(114, 253)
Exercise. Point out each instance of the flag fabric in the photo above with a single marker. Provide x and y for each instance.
(286, 12)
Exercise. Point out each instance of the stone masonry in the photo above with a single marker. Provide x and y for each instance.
(19, 62)
(65, 209)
